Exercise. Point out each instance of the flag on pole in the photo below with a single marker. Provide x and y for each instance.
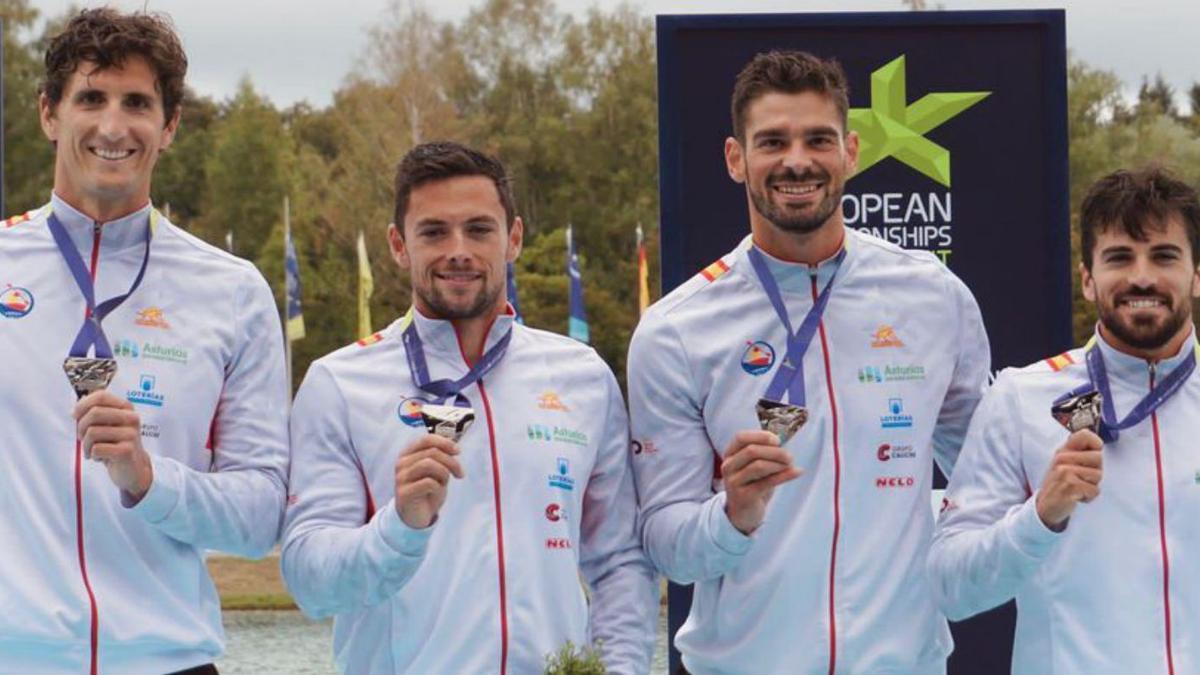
(512, 293)
(643, 273)
(295, 318)
(366, 285)
(577, 324)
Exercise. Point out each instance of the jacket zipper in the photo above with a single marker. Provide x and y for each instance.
(1162, 532)
(837, 485)
(94, 633)
(487, 408)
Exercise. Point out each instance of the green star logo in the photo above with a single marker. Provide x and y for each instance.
(891, 128)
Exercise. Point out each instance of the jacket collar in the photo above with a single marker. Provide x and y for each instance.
(440, 338)
(1134, 370)
(793, 277)
(115, 235)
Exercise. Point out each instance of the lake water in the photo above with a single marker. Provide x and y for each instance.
(287, 642)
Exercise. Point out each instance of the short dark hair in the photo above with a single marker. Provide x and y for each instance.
(440, 160)
(1133, 200)
(788, 72)
(108, 38)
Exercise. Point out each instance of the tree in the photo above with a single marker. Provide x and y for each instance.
(28, 156)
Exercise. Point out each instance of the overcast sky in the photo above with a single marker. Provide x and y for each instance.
(303, 50)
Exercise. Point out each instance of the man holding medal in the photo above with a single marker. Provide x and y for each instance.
(455, 474)
(789, 402)
(1093, 527)
(138, 347)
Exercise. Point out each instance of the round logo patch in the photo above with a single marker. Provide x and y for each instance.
(15, 302)
(758, 357)
(409, 412)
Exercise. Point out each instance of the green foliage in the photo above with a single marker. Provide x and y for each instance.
(568, 103)
(572, 660)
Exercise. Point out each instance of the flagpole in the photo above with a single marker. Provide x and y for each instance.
(287, 340)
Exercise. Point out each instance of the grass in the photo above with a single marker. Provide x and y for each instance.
(249, 584)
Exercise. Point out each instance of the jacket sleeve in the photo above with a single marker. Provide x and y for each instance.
(989, 540)
(685, 531)
(238, 505)
(625, 592)
(968, 380)
(337, 557)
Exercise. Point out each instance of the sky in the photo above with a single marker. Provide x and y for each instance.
(303, 51)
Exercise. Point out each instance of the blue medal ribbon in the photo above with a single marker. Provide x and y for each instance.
(790, 375)
(90, 333)
(1110, 427)
(442, 390)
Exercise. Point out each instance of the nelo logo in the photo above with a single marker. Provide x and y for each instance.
(886, 482)
(558, 543)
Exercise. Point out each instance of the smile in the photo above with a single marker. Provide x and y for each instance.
(111, 155)
(793, 189)
(1144, 303)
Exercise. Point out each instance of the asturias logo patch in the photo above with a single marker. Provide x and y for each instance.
(15, 302)
(758, 357)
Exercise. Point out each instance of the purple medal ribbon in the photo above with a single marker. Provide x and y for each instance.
(91, 333)
(790, 375)
(444, 389)
(1110, 427)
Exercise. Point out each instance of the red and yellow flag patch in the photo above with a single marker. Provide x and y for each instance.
(1059, 362)
(715, 270)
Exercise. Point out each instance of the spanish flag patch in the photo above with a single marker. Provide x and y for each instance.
(370, 340)
(715, 270)
(1059, 362)
(17, 220)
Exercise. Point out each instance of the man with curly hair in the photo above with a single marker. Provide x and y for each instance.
(167, 436)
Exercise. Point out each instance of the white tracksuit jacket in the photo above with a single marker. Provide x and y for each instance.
(1101, 597)
(834, 580)
(200, 354)
(493, 586)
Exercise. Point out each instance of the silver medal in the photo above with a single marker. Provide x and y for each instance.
(781, 419)
(88, 374)
(1079, 412)
(447, 421)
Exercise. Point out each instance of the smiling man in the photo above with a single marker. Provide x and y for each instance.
(1093, 528)
(462, 551)
(145, 409)
(806, 545)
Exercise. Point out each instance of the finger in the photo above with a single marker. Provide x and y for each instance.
(109, 417)
(110, 452)
(434, 454)
(426, 469)
(1089, 475)
(744, 439)
(1088, 458)
(1086, 492)
(96, 435)
(101, 398)
(752, 453)
(1084, 439)
(431, 441)
(425, 487)
(756, 471)
(789, 474)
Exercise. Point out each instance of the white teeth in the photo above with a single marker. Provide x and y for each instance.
(796, 189)
(112, 154)
(1144, 304)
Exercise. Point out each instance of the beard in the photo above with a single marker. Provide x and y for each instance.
(792, 221)
(1146, 333)
(450, 310)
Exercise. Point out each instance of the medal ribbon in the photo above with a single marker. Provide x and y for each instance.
(90, 333)
(1110, 427)
(443, 389)
(790, 375)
